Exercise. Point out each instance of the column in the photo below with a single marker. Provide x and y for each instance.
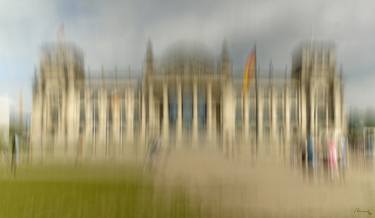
(151, 116)
(312, 113)
(327, 124)
(209, 112)
(45, 127)
(286, 131)
(214, 122)
(89, 121)
(337, 106)
(229, 116)
(36, 127)
(130, 115)
(245, 119)
(142, 134)
(72, 123)
(195, 113)
(302, 107)
(116, 118)
(179, 114)
(287, 115)
(59, 146)
(165, 115)
(260, 116)
(102, 125)
(273, 116)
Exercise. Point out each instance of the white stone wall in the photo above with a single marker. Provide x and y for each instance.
(295, 97)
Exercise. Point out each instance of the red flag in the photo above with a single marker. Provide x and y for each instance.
(249, 71)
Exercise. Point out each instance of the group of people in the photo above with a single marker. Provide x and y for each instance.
(328, 151)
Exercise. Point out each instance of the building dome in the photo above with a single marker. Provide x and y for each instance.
(187, 58)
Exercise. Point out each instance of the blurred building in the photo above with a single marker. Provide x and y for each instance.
(188, 98)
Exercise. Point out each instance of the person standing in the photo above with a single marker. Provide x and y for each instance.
(343, 156)
(332, 154)
(310, 150)
(153, 151)
(310, 155)
(14, 153)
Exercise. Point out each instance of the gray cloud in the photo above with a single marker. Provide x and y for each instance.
(114, 33)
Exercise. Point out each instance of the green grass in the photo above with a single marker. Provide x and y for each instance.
(91, 191)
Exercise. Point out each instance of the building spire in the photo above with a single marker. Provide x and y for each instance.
(286, 72)
(225, 60)
(61, 33)
(35, 80)
(20, 115)
(149, 59)
(224, 52)
(341, 71)
(270, 73)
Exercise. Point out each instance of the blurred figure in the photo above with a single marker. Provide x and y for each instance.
(369, 146)
(310, 155)
(303, 152)
(14, 151)
(332, 154)
(152, 152)
(343, 153)
(310, 150)
(294, 155)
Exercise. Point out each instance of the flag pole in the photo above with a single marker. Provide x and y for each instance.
(256, 97)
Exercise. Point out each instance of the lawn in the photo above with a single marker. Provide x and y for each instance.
(91, 191)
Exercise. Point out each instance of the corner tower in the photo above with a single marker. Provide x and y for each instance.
(55, 95)
(320, 102)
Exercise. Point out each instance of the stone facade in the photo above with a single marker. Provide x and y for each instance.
(187, 100)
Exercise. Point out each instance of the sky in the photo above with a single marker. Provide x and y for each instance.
(114, 33)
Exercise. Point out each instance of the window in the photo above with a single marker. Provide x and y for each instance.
(172, 108)
(280, 114)
(123, 113)
(266, 113)
(82, 113)
(95, 113)
(202, 110)
(239, 112)
(187, 107)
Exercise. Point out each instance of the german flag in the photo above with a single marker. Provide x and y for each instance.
(249, 72)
